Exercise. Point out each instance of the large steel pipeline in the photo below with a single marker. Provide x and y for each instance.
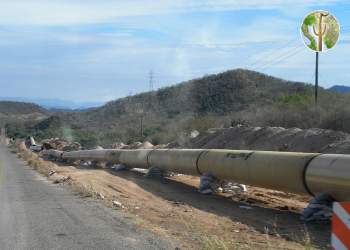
(302, 173)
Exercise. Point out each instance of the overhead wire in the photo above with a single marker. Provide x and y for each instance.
(272, 56)
(282, 57)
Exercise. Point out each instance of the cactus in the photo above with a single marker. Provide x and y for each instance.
(321, 30)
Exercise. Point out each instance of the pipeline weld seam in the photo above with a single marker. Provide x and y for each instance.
(249, 155)
(147, 157)
(197, 160)
(304, 175)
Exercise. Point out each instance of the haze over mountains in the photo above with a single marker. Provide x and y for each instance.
(68, 105)
(55, 104)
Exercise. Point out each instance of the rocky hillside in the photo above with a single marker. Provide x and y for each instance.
(221, 100)
(223, 93)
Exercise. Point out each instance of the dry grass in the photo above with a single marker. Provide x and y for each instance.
(34, 160)
(214, 243)
(307, 242)
(84, 190)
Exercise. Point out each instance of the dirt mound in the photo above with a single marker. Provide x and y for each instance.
(60, 144)
(146, 145)
(117, 145)
(271, 138)
(135, 145)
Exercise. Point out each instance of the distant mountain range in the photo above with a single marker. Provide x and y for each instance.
(340, 89)
(55, 104)
(21, 108)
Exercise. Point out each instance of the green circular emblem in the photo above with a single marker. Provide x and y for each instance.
(320, 31)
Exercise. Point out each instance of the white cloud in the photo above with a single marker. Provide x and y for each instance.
(117, 56)
(66, 12)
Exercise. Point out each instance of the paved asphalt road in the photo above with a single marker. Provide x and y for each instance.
(35, 214)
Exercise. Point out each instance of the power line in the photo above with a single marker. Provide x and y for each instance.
(288, 54)
(271, 55)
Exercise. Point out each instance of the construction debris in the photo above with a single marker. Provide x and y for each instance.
(139, 145)
(85, 163)
(62, 180)
(134, 145)
(155, 172)
(60, 144)
(232, 187)
(119, 167)
(52, 172)
(194, 134)
(209, 184)
(29, 141)
(118, 204)
(101, 196)
(319, 208)
(118, 145)
(31, 144)
(36, 148)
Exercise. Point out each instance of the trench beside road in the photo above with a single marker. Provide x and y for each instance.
(35, 214)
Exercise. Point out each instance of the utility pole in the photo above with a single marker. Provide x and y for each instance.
(151, 88)
(316, 78)
(140, 112)
(141, 126)
(319, 32)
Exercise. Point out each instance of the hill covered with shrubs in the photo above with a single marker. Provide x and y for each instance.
(221, 100)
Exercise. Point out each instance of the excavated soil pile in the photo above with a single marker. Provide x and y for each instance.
(271, 138)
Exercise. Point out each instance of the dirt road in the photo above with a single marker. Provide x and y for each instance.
(35, 214)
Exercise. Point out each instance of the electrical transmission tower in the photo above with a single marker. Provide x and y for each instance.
(151, 82)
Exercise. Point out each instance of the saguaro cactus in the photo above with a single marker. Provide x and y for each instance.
(321, 30)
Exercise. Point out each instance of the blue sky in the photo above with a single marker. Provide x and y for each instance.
(101, 50)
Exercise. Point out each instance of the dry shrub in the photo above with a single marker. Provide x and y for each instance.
(34, 160)
(85, 190)
(214, 243)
